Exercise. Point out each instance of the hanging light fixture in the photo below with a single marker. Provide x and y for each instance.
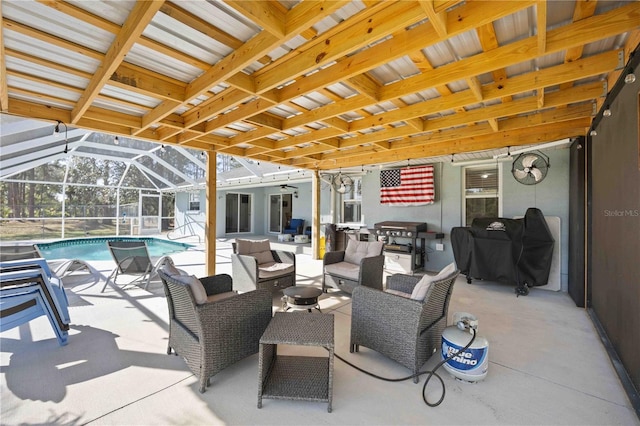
(116, 141)
(56, 133)
(163, 149)
(56, 130)
(606, 112)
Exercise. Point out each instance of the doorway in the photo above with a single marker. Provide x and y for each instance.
(280, 211)
(238, 213)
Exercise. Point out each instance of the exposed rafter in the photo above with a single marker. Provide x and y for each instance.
(321, 84)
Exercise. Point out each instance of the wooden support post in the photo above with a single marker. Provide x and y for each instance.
(210, 225)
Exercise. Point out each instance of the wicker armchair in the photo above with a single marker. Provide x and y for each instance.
(255, 265)
(405, 330)
(213, 335)
(361, 263)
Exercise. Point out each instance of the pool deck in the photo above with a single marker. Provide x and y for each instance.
(547, 365)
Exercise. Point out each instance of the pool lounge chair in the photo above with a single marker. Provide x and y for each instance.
(61, 268)
(28, 290)
(132, 258)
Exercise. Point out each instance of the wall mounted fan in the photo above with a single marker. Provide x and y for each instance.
(342, 183)
(530, 168)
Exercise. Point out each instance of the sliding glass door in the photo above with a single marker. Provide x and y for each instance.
(238, 213)
(280, 209)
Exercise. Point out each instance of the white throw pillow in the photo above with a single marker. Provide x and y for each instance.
(199, 293)
(420, 290)
(422, 287)
(170, 269)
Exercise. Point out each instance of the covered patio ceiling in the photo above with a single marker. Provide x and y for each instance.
(317, 84)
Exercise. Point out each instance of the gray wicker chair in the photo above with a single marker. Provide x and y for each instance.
(405, 330)
(255, 265)
(360, 264)
(213, 335)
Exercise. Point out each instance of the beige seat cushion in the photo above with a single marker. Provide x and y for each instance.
(344, 269)
(398, 293)
(260, 249)
(422, 287)
(274, 269)
(358, 250)
(221, 296)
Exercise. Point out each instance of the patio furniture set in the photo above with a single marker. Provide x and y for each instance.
(212, 324)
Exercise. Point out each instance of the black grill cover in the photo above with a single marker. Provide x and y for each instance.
(515, 251)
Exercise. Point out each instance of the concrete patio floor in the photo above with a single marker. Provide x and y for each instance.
(547, 365)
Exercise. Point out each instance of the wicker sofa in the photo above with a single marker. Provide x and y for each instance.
(405, 330)
(361, 263)
(217, 332)
(255, 265)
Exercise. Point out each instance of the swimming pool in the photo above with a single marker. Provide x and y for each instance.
(96, 248)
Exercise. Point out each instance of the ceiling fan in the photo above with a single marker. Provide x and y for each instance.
(285, 188)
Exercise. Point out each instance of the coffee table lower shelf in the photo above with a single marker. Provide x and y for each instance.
(301, 378)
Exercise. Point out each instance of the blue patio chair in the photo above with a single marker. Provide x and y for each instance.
(28, 290)
(296, 227)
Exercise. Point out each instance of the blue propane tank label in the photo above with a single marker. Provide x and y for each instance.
(466, 361)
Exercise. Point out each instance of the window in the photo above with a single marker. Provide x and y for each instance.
(194, 201)
(238, 213)
(352, 202)
(481, 192)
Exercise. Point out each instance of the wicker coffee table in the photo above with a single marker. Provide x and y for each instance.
(296, 377)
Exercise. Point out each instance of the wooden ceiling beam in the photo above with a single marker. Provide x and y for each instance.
(138, 19)
(256, 105)
(140, 80)
(199, 24)
(437, 19)
(467, 17)
(489, 41)
(474, 144)
(231, 65)
(353, 36)
(477, 138)
(264, 13)
(554, 117)
(541, 26)
(551, 76)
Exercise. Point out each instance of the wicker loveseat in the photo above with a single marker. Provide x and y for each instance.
(255, 265)
(406, 330)
(217, 331)
(361, 263)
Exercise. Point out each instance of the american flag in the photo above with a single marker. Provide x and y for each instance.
(411, 186)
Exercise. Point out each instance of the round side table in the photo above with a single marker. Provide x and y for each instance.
(301, 298)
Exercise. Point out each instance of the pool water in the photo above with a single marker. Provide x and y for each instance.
(96, 248)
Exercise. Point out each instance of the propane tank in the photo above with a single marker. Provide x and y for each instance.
(471, 365)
